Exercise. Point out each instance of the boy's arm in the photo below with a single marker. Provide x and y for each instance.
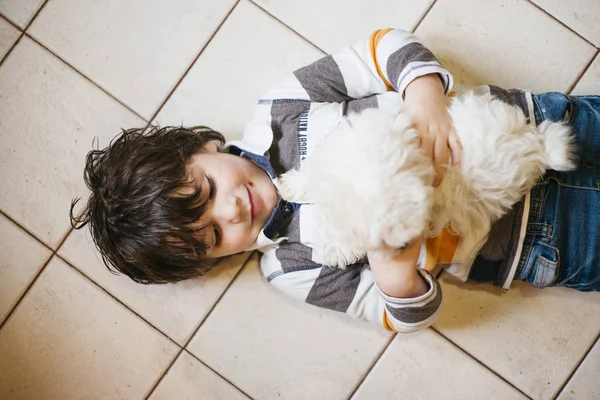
(359, 291)
(390, 59)
(396, 274)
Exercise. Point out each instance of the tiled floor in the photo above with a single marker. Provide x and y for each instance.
(73, 70)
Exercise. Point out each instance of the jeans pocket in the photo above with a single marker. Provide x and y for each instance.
(543, 264)
(546, 272)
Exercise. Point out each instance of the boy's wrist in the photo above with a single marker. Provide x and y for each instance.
(396, 272)
(404, 285)
(423, 86)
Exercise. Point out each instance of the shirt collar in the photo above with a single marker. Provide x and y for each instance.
(261, 161)
(284, 210)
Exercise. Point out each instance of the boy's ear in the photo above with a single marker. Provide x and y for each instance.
(210, 147)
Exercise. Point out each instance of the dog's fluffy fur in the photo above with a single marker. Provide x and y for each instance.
(373, 185)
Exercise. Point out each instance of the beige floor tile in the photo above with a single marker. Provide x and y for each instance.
(590, 81)
(584, 385)
(189, 379)
(136, 49)
(175, 309)
(583, 16)
(333, 24)
(21, 257)
(533, 338)
(272, 347)
(239, 65)
(507, 43)
(8, 36)
(69, 340)
(20, 11)
(427, 366)
(50, 115)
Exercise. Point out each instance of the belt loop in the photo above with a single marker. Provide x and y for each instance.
(571, 111)
(537, 112)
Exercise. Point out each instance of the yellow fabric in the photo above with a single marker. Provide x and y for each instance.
(373, 42)
(387, 324)
(440, 249)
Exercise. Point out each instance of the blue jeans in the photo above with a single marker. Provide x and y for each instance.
(562, 242)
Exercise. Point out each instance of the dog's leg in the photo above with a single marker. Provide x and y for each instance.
(340, 256)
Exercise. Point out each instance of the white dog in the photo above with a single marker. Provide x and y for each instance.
(373, 185)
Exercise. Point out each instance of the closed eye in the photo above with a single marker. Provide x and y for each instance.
(212, 187)
(217, 235)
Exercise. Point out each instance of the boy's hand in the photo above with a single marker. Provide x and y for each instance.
(425, 102)
(395, 272)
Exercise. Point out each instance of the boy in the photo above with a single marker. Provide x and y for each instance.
(166, 205)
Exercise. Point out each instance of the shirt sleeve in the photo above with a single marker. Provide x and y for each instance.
(387, 60)
(352, 290)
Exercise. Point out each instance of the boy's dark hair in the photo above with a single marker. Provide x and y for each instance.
(139, 220)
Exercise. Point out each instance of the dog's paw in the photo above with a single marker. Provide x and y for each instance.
(292, 186)
(339, 257)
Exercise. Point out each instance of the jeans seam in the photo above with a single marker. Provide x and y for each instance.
(535, 215)
(525, 255)
(537, 111)
(542, 269)
(562, 184)
(537, 204)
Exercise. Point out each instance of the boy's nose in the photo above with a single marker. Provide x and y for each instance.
(234, 211)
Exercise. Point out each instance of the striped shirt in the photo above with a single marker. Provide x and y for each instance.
(289, 122)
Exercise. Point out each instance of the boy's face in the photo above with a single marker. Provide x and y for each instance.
(243, 199)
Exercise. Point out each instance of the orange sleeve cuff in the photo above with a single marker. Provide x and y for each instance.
(441, 249)
(373, 42)
(387, 324)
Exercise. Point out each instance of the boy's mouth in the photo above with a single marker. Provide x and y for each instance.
(254, 206)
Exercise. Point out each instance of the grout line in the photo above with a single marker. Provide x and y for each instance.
(21, 30)
(18, 303)
(184, 347)
(162, 376)
(39, 10)
(29, 36)
(583, 72)
(561, 23)
(189, 68)
(115, 298)
(64, 239)
(11, 49)
(368, 371)
(4, 17)
(34, 280)
(244, 263)
(22, 227)
(423, 17)
(288, 27)
(85, 77)
(221, 376)
(481, 363)
(566, 382)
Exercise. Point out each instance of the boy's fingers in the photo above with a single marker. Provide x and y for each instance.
(439, 175)
(456, 147)
(441, 158)
(427, 146)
